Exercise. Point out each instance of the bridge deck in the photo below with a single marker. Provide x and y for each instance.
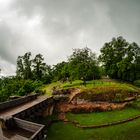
(15, 110)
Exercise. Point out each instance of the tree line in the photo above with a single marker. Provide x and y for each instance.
(118, 59)
(82, 64)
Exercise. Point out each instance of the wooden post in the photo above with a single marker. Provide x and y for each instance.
(1, 133)
(2, 124)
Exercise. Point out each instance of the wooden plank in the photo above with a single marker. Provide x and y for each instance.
(15, 110)
(29, 126)
(18, 137)
(16, 102)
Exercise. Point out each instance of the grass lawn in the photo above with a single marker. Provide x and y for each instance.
(97, 118)
(67, 131)
(126, 131)
(99, 85)
(63, 131)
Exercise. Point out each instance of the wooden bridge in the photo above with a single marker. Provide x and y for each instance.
(12, 115)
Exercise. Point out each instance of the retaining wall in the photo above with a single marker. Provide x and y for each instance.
(16, 102)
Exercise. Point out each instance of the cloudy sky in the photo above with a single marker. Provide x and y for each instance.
(54, 27)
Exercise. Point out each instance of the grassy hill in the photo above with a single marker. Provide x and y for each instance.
(126, 131)
(97, 86)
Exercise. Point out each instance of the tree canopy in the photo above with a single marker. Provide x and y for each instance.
(34, 69)
(83, 65)
(121, 59)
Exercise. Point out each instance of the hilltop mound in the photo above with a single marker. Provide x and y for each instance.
(98, 95)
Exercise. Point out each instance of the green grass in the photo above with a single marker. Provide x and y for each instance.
(103, 117)
(126, 131)
(99, 85)
(67, 131)
(136, 104)
(110, 90)
(49, 88)
(76, 83)
(64, 131)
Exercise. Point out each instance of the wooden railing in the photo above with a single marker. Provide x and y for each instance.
(16, 102)
(36, 129)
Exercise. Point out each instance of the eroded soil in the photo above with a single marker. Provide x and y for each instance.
(81, 105)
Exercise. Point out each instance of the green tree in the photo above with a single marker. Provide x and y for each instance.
(121, 59)
(47, 78)
(39, 67)
(24, 66)
(27, 65)
(34, 69)
(83, 65)
(20, 67)
(112, 53)
(61, 71)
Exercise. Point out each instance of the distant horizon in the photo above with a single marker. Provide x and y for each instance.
(14, 73)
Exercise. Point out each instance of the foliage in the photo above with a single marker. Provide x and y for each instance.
(39, 68)
(10, 86)
(137, 83)
(121, 59)
(24, 66)
(34, 69)
(83, 65)
(61, 71)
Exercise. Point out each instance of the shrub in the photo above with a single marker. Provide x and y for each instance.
(10, 86)
(137, 83)
(28, 87)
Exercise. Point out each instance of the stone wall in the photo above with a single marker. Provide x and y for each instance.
(16, 102)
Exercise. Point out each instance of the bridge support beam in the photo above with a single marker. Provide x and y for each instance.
(48, 111)
(7, 123)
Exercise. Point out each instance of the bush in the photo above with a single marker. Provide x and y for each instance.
(137, 83)
(10, 86)
(28, 87)
(3, 97)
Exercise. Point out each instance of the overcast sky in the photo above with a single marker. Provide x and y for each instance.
(54, 27)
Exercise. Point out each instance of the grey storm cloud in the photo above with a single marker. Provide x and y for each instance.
(54, 27)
